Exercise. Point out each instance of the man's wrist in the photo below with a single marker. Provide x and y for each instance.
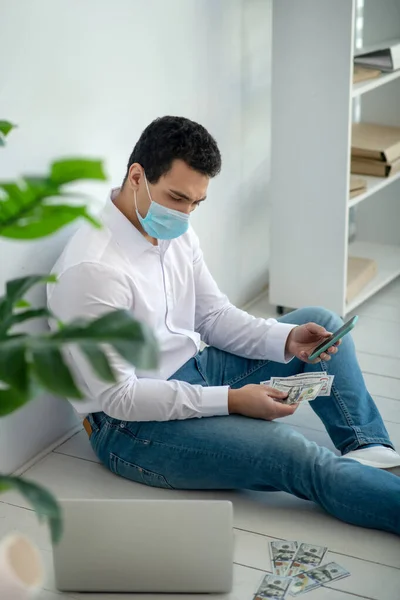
(289, 342)
(233, 406)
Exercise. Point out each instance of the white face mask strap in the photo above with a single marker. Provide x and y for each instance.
(148, 191)
(147, 186)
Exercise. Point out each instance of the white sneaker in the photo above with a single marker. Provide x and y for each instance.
(380, 457)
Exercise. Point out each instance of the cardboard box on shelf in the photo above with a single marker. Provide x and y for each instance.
(377, 168)
(360, 271)
(363, 74)
(358, 186)
(376, 142)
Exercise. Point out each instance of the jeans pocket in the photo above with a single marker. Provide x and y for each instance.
(136, 473)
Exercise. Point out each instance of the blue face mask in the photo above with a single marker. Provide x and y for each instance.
(161, 222)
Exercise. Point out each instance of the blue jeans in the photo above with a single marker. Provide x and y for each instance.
(236, 452)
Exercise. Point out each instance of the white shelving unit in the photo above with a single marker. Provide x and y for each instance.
(314, 104)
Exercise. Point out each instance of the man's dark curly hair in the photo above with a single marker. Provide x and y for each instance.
(170, 138)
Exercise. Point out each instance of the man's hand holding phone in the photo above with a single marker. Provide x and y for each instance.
(303, 340)
(312, 343)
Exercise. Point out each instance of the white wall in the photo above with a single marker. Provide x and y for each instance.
(85, 78)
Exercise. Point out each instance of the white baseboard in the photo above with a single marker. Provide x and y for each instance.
(48, 449)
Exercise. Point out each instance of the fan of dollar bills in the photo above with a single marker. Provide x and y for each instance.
(297, 568)
(303, 387)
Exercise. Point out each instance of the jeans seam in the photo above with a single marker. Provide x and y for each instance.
(115, 459)
(92, 423)
(391, 524)
(275, 465)
(258, 365)
(100, 435)
(342, 405)
(363, 441)
(200, 370)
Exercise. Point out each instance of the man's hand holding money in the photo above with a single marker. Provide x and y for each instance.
(259, 402)
(302, 340)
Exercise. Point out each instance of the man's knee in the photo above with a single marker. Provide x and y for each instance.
(317, 314)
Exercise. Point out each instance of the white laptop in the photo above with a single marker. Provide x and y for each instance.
(145, 546)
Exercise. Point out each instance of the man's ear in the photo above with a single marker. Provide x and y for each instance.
(135, 175)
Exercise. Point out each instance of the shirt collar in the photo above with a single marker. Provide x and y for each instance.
(124, 233)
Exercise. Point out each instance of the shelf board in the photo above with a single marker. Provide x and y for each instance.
(388, 261)
(371, 84)
(374, 184)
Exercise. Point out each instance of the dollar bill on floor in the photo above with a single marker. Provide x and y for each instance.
(282, 553)
(308, 556)
(314, 578)
(298, 393)
(273, 587)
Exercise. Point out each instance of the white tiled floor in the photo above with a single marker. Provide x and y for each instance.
(372, 557)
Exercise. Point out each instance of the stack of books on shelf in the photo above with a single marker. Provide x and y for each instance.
(375, 149)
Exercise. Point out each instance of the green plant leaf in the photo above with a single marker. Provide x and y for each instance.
(13, 364)
(6, 308)
(28, 208)
(11, 400)
(134, 341)
(43, 502)
(26, 315)
(17, 193)
(6, 127)
(22, 304)
(40, 186)
(68, 170)
(98, 360)
(4, 487)
(40, 355)
(17, 288)
(50, 219)
(51, 370)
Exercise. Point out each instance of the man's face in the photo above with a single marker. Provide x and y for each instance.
(181, 189)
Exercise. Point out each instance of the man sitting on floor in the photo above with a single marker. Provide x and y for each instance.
(202, 421)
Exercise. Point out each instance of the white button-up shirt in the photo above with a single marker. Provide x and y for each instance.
(170, 288)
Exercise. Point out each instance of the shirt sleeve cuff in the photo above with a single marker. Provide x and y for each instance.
(276, 342)
(215, 401)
